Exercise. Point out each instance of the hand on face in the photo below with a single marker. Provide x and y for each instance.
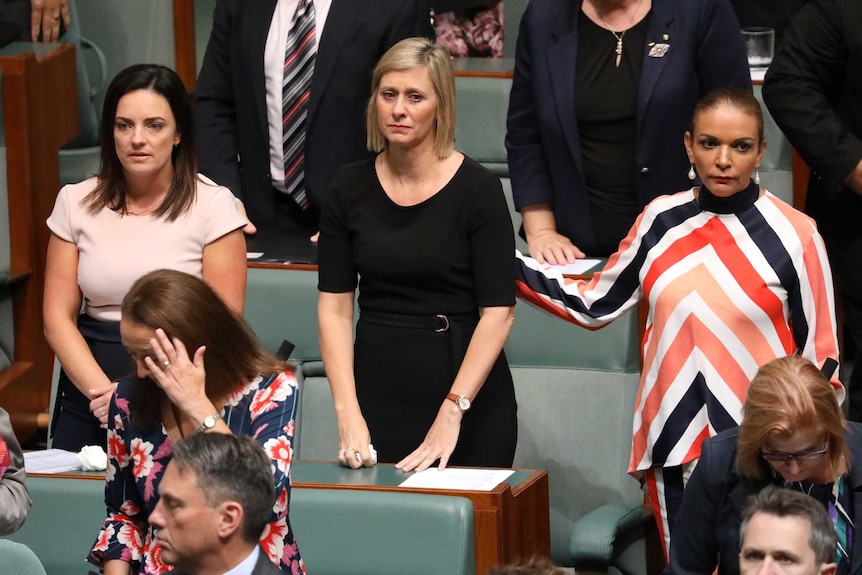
(183, 379)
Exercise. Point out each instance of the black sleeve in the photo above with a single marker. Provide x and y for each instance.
(807, 80)
(215, 114)
(492, 243)
(336, 270)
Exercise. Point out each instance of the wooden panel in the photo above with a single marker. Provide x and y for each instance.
(801, 174)
(40, 115)
(184, 42)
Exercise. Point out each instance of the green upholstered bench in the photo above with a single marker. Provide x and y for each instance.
(339, 532)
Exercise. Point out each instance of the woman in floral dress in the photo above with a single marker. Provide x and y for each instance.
(199, 370)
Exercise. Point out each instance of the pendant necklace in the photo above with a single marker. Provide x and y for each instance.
(143, 210)
(618, 35)
(802, 488)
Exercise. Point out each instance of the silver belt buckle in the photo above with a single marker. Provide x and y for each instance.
(445, 327)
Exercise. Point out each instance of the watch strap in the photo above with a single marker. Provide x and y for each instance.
(209, 422)
(458, 399)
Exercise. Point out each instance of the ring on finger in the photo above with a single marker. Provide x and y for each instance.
(166, 364)
(102, 409)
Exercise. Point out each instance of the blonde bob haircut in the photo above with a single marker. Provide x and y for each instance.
(788, 394)
(408, 54)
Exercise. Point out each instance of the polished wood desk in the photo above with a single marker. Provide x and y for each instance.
(511, 521)
(40, 114)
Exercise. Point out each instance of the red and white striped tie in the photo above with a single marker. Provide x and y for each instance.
(296, 87)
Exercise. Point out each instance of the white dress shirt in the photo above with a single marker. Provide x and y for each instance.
(273, 67)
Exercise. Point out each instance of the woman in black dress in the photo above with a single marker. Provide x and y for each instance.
(427, 232)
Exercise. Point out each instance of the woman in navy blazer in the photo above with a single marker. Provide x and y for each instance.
(691, 47)
(793, 434)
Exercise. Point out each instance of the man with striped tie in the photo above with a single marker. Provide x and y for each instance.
(281, 97)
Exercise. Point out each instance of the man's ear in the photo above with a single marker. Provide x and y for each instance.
(828, 568)
(231, 515)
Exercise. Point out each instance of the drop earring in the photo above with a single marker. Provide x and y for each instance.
(691, 174)
(757, 176)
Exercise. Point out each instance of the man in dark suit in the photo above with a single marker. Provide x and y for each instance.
(238, 110)
(814, 91)
(212, 511)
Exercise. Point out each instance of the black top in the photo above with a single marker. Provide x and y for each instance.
(606, 101)
(450, 254)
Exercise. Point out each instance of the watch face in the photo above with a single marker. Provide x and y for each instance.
(209, 421)
(463, 403)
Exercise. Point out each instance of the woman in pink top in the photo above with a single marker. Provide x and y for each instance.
(147, 209)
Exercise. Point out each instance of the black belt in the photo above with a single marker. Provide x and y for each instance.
(452, 324)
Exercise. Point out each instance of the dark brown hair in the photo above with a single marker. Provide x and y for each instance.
(738, 98)
(111, 188)
(187, 308)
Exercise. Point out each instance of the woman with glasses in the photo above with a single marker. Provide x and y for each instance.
(793, 434)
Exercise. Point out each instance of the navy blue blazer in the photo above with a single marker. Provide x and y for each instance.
(707, 526)
(705, 51)
(230, 110)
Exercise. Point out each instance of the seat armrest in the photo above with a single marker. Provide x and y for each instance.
(591, 545)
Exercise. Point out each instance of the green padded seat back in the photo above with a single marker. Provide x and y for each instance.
(282, 304)
(63, 522)
(350, 532)
(482, 104)
(539, 339)
(18, 559)
(338, 532)
(576, 424)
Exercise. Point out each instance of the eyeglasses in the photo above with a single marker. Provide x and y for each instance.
(798, 456)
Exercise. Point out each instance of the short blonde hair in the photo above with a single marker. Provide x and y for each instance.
(788, 394)
(417, 53)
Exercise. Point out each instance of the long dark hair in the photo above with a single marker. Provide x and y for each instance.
(111, 189)
(187, 308)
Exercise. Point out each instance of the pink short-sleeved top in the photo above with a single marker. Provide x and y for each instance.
(115, 250)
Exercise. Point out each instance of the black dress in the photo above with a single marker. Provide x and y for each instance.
(448, 255)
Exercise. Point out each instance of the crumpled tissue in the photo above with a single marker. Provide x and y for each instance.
(93, 458)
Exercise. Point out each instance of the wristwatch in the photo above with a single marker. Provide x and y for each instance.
(462, 402)
(209, 422)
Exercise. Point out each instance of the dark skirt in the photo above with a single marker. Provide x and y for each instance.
(73, 425)
(402, 377)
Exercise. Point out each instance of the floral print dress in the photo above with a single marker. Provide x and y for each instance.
(263, 408)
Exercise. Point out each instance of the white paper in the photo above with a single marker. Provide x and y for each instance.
(51, 461)
(578, 268)
(462, 479)
(253, 255)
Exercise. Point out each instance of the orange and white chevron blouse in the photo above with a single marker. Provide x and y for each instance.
(726, 292)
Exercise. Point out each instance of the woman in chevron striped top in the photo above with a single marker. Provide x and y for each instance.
(734, 278)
